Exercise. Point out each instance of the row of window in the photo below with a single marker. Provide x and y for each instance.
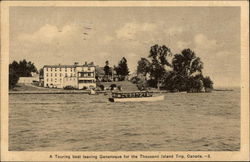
(71, 75)
(60, 69)
(66, 69)
(67, 79)
(86, 81)
(86, 74)
(54, 80)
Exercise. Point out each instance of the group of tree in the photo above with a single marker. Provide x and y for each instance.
(182, 73)
(20, 69)
(121, 69)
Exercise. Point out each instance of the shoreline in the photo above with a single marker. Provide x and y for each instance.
(32, 89)
(98, 92)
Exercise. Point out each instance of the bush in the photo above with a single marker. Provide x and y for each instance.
(195, 85)
(13, 79)
(112, 86)
(101, 87)
(69, 88)
(84, 88)
(140, 87)
(135, 80)
(208, 83)
(119, 87)
(152, 83)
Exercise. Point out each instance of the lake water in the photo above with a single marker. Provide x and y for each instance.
(79, 122)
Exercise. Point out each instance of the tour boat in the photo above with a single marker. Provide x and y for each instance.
(134, 97)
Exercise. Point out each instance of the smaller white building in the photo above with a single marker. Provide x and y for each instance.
(29, 80)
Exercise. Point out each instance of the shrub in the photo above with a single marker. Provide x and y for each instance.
(69, 88)
(101, 87)
(112, 86)
(84, 88)
(119, 87)
(208, 83)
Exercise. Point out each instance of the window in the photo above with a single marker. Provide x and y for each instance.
(65, 74)
(55, 69)
(47, 80)
(51, 79)
(51, 74)
(88, 68)
(47, 74)
(55, 74)
(51, 69)
(60, 69)
(60, 74)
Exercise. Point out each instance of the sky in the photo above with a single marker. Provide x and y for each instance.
(64, 35)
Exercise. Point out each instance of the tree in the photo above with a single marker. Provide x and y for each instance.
(158, 55)
(208, 83)
(188, 67)
(122, 69)
(107, 68)
(187, 64)
(41, 73)
(184, 74)
(143, 66)
(21, 69)
(13, 75)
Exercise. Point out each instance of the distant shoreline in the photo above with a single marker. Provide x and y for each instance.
(223, 90)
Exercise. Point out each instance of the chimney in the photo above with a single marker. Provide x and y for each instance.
(76, 63)
(86, 63)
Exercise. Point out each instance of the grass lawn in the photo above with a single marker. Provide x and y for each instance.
(29, 87)
(126, 86)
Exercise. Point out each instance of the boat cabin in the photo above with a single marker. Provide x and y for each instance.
(131, 94)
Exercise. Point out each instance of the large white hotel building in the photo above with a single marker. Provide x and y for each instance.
(77, 76)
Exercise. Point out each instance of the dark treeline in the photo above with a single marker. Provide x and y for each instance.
(121, 70)
(182, 73)
(20, 69)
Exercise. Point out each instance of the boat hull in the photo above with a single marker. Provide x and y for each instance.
(139, 99)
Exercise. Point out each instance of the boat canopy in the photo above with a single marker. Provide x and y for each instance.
(131, 94)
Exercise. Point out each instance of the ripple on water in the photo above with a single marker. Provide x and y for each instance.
(208, 122)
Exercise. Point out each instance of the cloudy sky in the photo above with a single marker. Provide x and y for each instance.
(53, 35)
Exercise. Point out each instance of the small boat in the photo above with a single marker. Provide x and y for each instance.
(135, 97)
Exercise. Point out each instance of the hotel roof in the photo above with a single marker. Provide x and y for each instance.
(68, 66)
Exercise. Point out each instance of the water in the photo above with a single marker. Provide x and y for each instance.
(79, 122)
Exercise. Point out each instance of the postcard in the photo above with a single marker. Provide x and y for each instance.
(124, 81)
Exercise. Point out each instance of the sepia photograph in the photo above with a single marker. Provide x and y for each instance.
(99, 78)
